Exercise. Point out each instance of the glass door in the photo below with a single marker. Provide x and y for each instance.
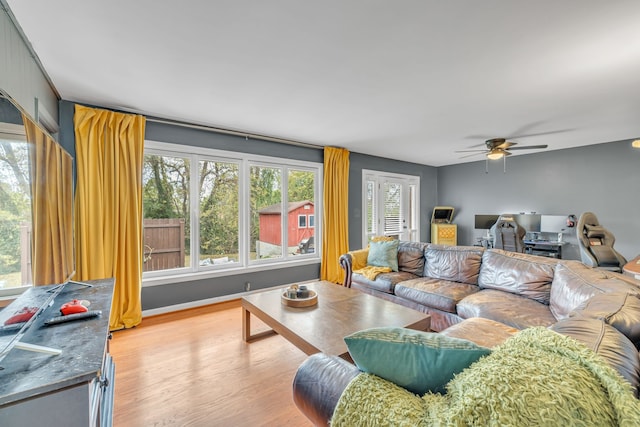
(390, 206)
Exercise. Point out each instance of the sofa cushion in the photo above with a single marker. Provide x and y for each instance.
(574, 283)
(441, 294)
(411, 257)
(504, 307)
(454, 263)
(418, 361)
(527, 275)
(383, 254)
(618, 309)
(484, 332)
(384, 282)
(607, 342)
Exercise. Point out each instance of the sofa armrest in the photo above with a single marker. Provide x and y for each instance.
(352, 260)
(346, 263)
(635, 283)
(318, 385)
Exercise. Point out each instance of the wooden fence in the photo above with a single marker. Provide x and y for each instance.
(163, 244)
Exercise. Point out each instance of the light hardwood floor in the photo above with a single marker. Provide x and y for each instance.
(191, 368)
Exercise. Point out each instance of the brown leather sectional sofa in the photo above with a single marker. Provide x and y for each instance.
(453, 283)
(485, 296)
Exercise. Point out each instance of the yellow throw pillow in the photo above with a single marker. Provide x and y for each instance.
(359, 258)
(382, 239)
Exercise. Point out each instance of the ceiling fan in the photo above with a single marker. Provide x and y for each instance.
(497, 148)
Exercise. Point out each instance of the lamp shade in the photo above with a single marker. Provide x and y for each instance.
(495, 154)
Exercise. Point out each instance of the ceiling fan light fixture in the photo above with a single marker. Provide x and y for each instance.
(636, 143)
(495, 154)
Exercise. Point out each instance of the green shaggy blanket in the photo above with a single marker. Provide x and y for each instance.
(536, 378)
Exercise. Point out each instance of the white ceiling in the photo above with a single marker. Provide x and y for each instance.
(413, 80)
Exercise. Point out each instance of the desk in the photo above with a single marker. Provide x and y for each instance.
(549, 248)
(72, 389)
(632, 268)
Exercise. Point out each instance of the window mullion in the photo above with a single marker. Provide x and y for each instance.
(244, 223)
(285, 211)
(194, 197)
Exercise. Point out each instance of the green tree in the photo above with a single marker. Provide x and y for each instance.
(166, 187)
(165, 190)
(218, 208)
(301, 185)
(15, 203)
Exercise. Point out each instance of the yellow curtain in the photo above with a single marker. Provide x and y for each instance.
(335, 230)
(50, 181)
(108, 206)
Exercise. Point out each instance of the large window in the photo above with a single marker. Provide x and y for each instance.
(265, 212)
(15, 216)
(212, 211)
(390, 206)
(166, 206)
(218, 224)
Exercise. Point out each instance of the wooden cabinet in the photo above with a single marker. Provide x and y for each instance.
(74, 388)
(444, 234)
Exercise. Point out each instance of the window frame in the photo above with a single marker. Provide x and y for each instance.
(245, 161)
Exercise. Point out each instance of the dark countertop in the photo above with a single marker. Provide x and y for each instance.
(25, 374)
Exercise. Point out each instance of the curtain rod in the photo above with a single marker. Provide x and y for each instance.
(235, 133)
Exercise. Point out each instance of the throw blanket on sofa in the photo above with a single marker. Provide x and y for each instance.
(537, 377)
(371, 272)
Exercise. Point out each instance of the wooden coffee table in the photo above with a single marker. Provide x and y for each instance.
(321, 328)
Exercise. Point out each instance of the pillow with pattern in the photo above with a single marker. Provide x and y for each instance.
(384, 254)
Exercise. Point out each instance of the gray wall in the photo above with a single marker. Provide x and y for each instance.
(184, 292)
(602, 178)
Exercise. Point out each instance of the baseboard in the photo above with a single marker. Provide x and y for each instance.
(208, 301)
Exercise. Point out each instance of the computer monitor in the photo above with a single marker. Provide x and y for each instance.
(485, 222)
(553, 223)
(530, 222)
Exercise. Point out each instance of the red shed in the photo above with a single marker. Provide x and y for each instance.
(301, 217)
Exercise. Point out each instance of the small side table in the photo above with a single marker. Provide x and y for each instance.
(632, 268)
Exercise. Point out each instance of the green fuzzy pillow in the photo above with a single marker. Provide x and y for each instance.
(416, 360)
(383, 254)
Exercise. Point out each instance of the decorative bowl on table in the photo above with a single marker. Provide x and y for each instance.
(295, 296)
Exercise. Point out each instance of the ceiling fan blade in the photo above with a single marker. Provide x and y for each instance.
(470, 151)
(529, 147)
(551, 132)
(470, 155)
(484, 144)
(506, 145)
(522, 132)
